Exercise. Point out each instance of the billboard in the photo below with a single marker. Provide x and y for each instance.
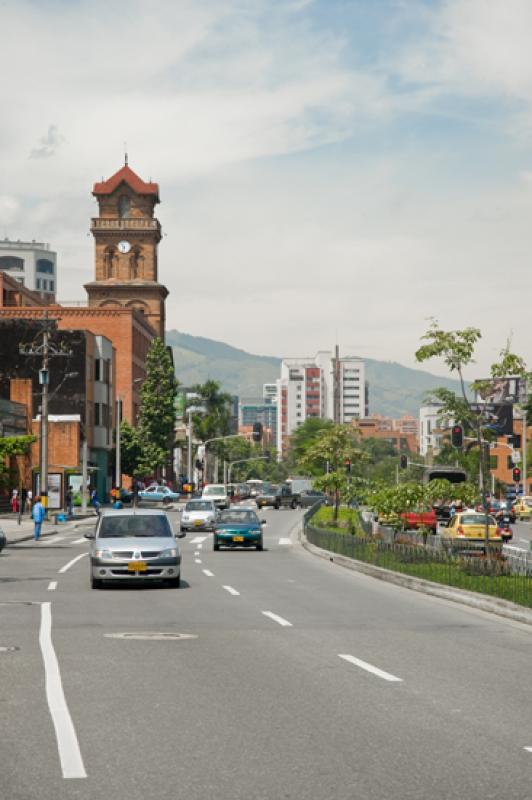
(501, 390)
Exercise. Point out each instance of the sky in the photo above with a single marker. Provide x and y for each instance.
(329, 170)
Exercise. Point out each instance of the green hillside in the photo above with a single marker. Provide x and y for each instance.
(394, 390)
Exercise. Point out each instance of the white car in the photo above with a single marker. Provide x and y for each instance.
(217, 492)
(198, 515)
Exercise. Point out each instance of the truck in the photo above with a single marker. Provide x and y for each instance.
(286, 498)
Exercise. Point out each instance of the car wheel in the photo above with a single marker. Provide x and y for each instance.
(293, 504)
(96, 583)
(215, 545)
(166, 501)
(259, 544)
(277, 506)
(174, 583)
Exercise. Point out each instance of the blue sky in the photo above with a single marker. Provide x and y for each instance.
(348, 166)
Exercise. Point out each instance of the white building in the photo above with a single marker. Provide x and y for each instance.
(325, 386)
(269, 393)
(429, 428)
(31, 263)
(103, 392)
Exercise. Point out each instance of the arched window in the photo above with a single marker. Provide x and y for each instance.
(45, 265)
(12, 263)
(123, 206)
(109, 262)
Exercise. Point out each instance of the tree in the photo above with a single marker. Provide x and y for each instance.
(12, 446)
(216, 420)
(457, 349)
(157, 408)
(130, 448)
(304, 436)
(328, 454)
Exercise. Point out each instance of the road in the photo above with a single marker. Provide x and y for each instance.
(297, 679)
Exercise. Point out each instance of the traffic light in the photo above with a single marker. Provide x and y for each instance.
(403, 461)
(257, 432)
(457, 436)
(516, 474)
(347, 464)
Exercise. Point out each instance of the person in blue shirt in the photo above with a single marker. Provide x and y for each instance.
(38, 515)
(95, 502)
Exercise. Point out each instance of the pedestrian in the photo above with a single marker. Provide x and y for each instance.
(70, 503)
(23, 500)
(38, 514)
(29, 498)
(94, 502)
(14, 501)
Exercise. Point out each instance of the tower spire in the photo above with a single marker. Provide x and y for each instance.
(125, 154)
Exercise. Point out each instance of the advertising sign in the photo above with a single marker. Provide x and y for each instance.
(502, 390)
(54, 490)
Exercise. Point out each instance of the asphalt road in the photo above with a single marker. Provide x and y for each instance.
(296, 679)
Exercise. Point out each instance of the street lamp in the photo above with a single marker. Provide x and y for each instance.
(192, 410)
(241, 461)
(219, 439)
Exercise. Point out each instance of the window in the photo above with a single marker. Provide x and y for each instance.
(97, 369)
(51, 286)
(12, 263)
(39, 283)
(45, 265)
(97, 414)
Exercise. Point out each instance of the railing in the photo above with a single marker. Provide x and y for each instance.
(112, 223)
(507, 577)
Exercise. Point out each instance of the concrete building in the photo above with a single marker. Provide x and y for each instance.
(269, 393)
(265, 413)
(31, 263)
(326, 386)
(430, 431)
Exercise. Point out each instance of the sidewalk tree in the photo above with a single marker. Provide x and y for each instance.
(304, 436)
(216, 419)
(156, 423)
(130, 448)
(12, 446)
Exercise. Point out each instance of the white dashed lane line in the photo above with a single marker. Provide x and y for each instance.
(208, 573)
(285, 541)
(231, 591)
(197, 561)
(70, 563)
(198, 539)
(386, 676)
(528, 749)
(277, 618)
(52, 586)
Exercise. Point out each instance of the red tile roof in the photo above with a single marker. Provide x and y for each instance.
(126, 175)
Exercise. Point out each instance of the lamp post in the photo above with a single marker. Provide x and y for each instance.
(219, 439)
(242, 461)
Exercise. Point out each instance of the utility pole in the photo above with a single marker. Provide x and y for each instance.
(46, 350)
(523, 444)
(118, 463)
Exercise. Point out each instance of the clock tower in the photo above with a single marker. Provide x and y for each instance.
(126, 235)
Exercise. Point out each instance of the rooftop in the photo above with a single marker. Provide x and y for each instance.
(126, 175)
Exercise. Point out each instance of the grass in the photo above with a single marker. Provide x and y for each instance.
(348, 520)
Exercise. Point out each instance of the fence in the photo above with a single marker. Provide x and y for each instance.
(509, 578)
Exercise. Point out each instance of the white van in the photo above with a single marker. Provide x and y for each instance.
(217, 492)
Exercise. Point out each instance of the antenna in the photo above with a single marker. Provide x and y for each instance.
(125, 154)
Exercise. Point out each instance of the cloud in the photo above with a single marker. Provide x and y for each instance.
(48, 144)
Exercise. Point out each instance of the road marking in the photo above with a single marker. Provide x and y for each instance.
(67, 741)
(79, 541)
(512, 547)
(52, 586)
(529, 749)
(285, 541)
(54, 540)
(200, 546)
(197, 560)
(196, 552)
(198, 539)
(526, 541)
(208, 573)
(276, 618)
(231, 590)
(70, 563)
(370, 668)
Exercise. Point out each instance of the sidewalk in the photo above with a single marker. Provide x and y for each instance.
(21, 533)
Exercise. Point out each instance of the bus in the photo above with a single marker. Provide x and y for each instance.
(440, 472)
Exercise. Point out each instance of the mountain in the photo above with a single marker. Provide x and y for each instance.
(394, 390)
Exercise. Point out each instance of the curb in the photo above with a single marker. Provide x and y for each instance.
(481, 602)
(28, 537)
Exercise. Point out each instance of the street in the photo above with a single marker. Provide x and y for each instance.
(296, 679)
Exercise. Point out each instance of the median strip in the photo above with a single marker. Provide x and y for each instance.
(386, 676)
(67, 741)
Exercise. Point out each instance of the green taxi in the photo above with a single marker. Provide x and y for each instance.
(237, 527)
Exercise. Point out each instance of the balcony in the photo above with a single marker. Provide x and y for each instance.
(126, 224)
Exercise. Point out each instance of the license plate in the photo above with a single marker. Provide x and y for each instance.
(238, 538)
(198, 522)
(137, 566)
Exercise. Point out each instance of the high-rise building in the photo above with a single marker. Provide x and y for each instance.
(269, 392)
(31, 263)
(326, 386)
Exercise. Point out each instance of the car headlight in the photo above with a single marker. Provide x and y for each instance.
(171, 552)
(103, 553)
(185, 517)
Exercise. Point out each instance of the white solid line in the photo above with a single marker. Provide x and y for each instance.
(276, 618)
(52, 586)
(370, 668)
(231, 590)
(208, 573)
(67, 741)
(285, 541)
(79, 541)
(529, 749)
(54, 539)
(197, 561)
(67, 566)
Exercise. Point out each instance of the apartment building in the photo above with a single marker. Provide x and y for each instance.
(326, 386)
(33, 264)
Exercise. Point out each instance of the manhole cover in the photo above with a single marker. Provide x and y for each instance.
(8, 649)
(154, 637)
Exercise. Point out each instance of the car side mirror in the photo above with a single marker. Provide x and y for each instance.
(180, 535)
(90, 535)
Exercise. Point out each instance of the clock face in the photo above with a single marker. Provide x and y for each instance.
(124, 247)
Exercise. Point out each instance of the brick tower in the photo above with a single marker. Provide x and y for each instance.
(126, 236)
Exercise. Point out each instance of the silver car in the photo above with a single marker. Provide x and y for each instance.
(135, 545)
(199, 515)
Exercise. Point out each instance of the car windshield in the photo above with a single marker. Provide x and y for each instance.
(134, 525)
(199, 505)
(476, 519)
(212, 490)
(238, 518)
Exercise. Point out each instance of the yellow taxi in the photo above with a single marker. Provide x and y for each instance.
(468, 529)
(523, 508)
